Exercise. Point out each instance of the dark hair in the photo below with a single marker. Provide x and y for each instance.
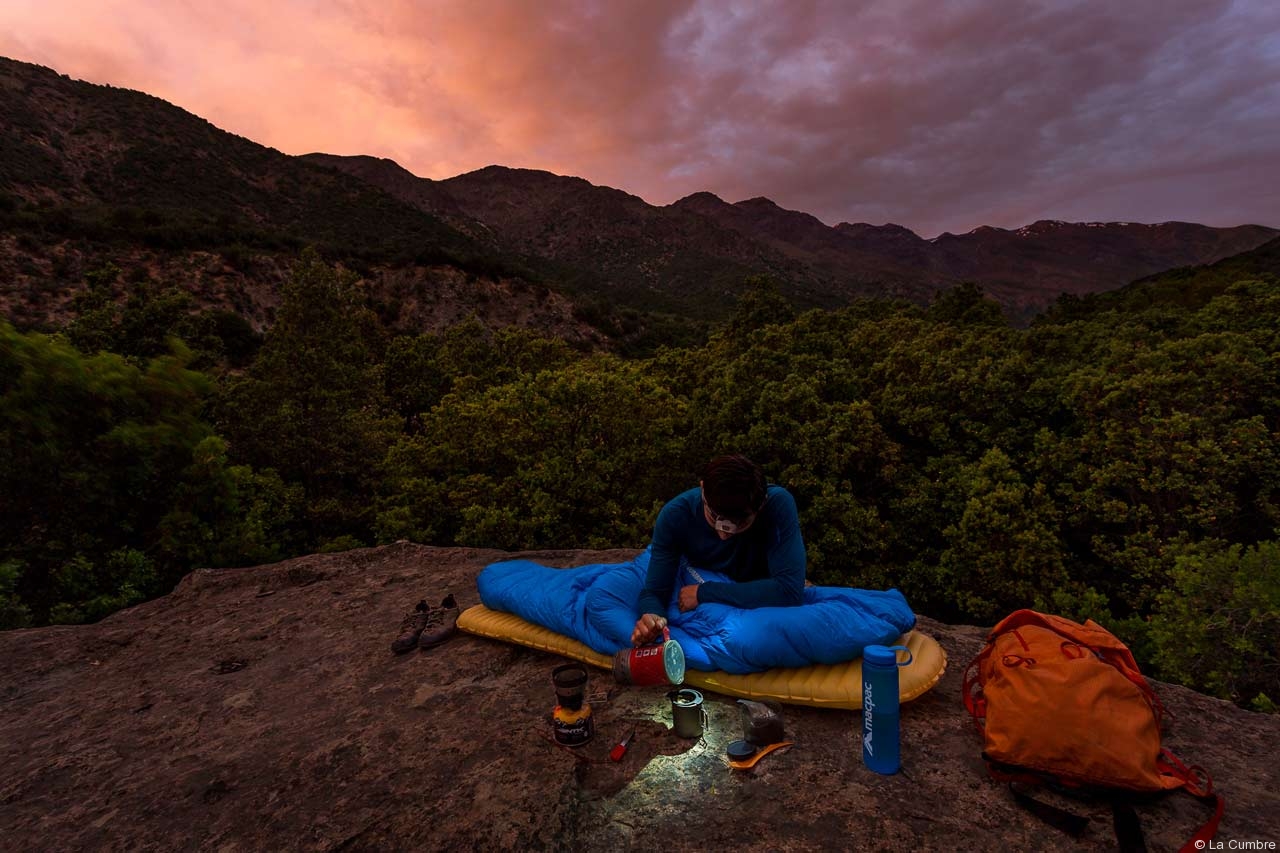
(734, 487)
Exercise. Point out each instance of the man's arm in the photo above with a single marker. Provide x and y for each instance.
(785, 585)
(664, 562)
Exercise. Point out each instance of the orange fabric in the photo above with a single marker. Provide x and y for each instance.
(1059, 698)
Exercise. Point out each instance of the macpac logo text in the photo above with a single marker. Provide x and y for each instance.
(868, 710)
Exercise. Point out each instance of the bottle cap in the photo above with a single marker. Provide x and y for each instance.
(880, 655)
(673, 660)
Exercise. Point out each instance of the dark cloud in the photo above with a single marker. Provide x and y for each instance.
(936, 114)
(951, 115)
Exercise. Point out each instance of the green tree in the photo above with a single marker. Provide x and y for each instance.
(580, 456)
(761, 304)
(230, 515)
(312, 406)
(13, 613)
(966, 305)
(421, 369)
(142, 325)
(1168, 441)
(91, 450)
(1218, 623)
(1003, 553)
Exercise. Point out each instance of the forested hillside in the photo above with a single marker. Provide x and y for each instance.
(1120, 462)
(96, 178)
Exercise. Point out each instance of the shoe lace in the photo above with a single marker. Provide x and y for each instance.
(414, 616)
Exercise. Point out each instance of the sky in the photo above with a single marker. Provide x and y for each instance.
(940, 115)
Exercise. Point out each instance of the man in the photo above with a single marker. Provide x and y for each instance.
(734, 524)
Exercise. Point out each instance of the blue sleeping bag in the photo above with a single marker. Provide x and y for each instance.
(596, 605)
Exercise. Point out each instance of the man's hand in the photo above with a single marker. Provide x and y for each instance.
(688, 597)
(648, 628)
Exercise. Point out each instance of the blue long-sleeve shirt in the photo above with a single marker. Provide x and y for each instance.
(767, 560)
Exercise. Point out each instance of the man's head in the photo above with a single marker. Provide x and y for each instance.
(734, 488)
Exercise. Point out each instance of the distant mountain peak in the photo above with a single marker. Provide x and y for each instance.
(701, 202)
(859, 229)
(767, 210)
(1046, 226)
(699, 197)
(511, 179)
(758, 202)
(515, 176)
(356, 162)
(495, 170)
(353, 158)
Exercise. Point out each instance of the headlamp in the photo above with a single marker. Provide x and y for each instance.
(726, 525)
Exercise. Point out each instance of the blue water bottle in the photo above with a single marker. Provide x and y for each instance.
(880, 707)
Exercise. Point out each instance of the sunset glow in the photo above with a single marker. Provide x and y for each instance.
(935, 115)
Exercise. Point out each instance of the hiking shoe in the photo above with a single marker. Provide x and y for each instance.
(441, 624)
(411, 628)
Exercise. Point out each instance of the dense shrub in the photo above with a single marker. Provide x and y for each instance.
(1217, 625)
(93, 449)
(312, 406)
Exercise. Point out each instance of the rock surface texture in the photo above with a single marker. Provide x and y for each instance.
(261, 709)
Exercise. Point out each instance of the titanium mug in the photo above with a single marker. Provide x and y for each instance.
(688, 717)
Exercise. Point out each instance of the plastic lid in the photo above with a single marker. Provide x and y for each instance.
(673, 661)
(569, 676)
(881, 655)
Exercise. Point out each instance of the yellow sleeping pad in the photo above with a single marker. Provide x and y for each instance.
(820, 685)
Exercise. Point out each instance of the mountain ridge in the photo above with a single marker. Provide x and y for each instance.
(135, 168)
(97, 177)
(1025, 269)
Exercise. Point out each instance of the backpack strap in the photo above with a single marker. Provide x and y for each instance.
(1199, 784)
(974, 702)
(1070, 823)
(1127, 827)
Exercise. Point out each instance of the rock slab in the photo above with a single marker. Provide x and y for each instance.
(261, 709)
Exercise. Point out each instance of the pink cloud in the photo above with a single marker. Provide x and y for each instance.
(937, 114)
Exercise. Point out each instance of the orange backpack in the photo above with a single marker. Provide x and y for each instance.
(1064, 705)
